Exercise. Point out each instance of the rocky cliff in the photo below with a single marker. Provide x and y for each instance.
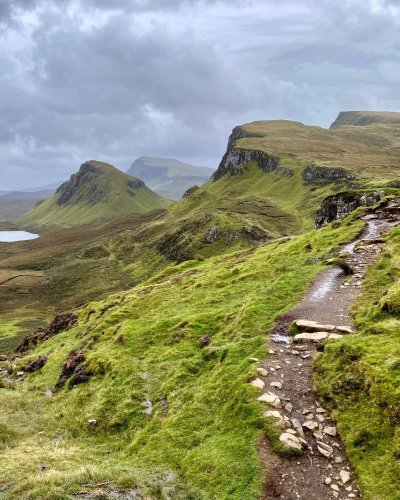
(314, 174)
(341, 204)
(236, 160)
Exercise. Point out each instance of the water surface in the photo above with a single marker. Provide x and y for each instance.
(9, 236)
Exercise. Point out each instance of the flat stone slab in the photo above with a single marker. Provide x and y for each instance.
(305, 325)
(344, 329)
(311, 337)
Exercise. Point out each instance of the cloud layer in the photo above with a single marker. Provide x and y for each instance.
(115, 80)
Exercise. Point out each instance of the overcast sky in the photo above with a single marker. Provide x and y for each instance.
(116, 79)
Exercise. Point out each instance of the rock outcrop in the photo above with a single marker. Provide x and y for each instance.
(314, 174)
(337, 206)
(236, 160)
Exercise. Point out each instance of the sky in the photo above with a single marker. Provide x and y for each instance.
(112, 80)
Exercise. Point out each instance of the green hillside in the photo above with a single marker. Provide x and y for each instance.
(97, 192)
(271, 182)
(197, 438)
(167, 176)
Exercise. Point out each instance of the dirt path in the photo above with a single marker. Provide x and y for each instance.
(323, 471)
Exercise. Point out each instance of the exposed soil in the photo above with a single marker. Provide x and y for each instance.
(329, 300)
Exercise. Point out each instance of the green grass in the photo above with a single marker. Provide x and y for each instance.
(206, 423)
(360, 377)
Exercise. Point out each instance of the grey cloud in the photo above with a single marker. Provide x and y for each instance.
(114, 80)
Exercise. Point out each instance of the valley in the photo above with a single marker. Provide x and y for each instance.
(133, 328)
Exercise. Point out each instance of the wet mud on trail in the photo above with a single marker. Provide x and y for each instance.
(323, 471)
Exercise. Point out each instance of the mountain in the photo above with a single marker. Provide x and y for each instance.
(28, 195)
(14, 204)
(97, 192)
(167, 176)
(48, 187)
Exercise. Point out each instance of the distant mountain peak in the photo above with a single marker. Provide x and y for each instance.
(98, 191)
(167, 176)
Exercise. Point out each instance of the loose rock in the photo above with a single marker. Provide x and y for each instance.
(290, 441)
(330, 430)
(310, 424)
(258, 383)
(344, 476)
(324, 449)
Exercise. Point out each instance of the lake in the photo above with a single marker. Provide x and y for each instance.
(8, 236)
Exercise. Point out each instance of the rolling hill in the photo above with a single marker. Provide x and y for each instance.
(167, 176)
(98, 192)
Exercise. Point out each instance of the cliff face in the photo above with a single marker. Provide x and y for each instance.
(87, 177)
(341, 204)
(235, 160)
(314, 174)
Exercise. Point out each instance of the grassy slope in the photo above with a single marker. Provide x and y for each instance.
(360, 377)
(115, 201)
(205, 423)
(68, 267)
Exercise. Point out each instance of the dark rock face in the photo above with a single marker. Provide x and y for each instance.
(136, 184)
(314, 174)
(190, 191)
(37, 364)
(60, 323)
(213, 234)
(236, 160)
(337, 206)
(84, 180)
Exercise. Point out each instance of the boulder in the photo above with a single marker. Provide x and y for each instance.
(262, 371)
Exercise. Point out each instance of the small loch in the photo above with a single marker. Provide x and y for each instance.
(10, 236)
